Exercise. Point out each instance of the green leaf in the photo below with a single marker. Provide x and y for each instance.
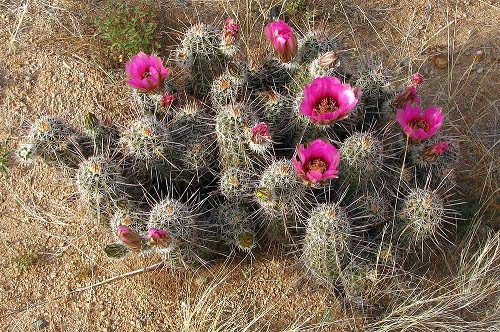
(115, 250)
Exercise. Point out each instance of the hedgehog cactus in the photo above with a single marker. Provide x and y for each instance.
(362, 157)
(236, 184)
(423, 214)
(101, 183)
(147, 143)
(283, 198)
(436, 158)
(203, 52)
(377, 207)
(235, 226)
(277, 111)
(327, 242)
(178, 223)
(313, 44)
(358, 282)
(55, 142)
(153, 102)
(258, 138)
(103, 137)
(191, 129)
(237, 137)
(262, 75)
(226, 89)
(25, 153)
(373, 81)
(148, 78)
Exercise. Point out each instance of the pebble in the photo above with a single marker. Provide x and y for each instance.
(39, 325)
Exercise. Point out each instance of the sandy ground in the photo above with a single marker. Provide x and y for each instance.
(51, 63)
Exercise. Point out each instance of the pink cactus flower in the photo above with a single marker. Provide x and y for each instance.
(145, 72)
(327, 100)
(419, 124)
(129, 237)
(318, 162)
(283, 40)
(417, 79)
(260, 133)
(167, 100)
(231, 30)
(158, 237)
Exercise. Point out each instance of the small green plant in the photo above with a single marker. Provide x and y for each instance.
(25, 261)
(127, 27)
(295, 6)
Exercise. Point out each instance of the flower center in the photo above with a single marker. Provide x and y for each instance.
(419, 124)
(326, 105)
(316, 165)
(146, 74)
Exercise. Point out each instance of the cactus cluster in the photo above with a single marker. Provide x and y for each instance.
(327, 242)
(295, 147)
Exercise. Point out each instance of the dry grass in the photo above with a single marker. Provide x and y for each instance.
(51, 63)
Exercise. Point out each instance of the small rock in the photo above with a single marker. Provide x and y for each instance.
(39, 325)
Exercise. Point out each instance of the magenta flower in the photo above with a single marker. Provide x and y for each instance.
(129, 237)
(419, 124)
(326, 100)
(260, 133)
(417, 79)
(231, 30)
(158, 237)
(318, 162)
(283, 40)
(145, 72)
(167, 100)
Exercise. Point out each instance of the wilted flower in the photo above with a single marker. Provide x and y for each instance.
(129, 237)
(145, 72)
(328, 60)
(260, 133)
(231, 30)
(326, 100)
(283, 40)
(419, 124)
(434, 151)
(159, 237)
(409, 95)
(167, 100)
(417, 79)
(318, 162)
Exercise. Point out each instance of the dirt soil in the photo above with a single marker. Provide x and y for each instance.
(51, 62)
